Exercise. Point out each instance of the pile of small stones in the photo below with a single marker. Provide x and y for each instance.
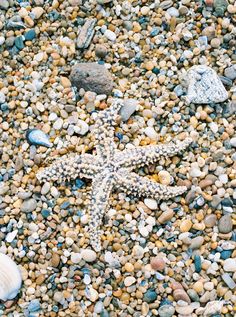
(61, 62)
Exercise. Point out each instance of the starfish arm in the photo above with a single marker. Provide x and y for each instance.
(104, 129)
(66, 168)
(102, 186)
(144, 155)
(139, 186)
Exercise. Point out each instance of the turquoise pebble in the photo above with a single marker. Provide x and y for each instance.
(150, 296)
(19, 43)
(30, 35)
(197, 263)
(225, 254)
(45, 213)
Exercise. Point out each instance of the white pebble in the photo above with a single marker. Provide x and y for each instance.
(150, 203)
(129, 280)
(11, 236)
(88, 255)
(214, 127)
(2, 40)
(151, 133)
(110, 35)
(75, 257)
(230, 265)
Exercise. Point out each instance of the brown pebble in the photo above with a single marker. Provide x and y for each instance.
(55, 260)
(180, 294)
(225, 224)
(100, 50)
(158, 264)
(176, 285)
(205, 182)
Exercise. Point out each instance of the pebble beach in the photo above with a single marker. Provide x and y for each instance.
(173, 63)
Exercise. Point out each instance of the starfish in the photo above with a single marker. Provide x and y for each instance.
(111, 169)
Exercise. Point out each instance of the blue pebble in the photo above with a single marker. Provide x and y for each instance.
(34, 305)
(19, 43)
(225, 254)
(154, 32)
(79, 183)
(119, 136)
(11, 172)
(150, 296)
(4, 107)
(45, 213)
(65, 205)
(197, 263)
(30, 35)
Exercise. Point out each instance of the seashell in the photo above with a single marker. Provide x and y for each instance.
(10, 278)
(37, 137)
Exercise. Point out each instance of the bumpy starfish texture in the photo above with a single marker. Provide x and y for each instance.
(112, 169)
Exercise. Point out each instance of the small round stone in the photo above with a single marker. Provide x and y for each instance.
(225, 224)
(158, 264)
(129, 280)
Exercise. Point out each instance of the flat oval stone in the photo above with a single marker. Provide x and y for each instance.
(210, 220)
(29, 205)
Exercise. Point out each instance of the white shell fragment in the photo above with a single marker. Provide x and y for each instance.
(10, 278)
(204, 86)
(38, 137)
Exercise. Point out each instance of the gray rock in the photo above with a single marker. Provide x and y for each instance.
(4, 4)
(128, 108)
(86, 33)
(233, 142)
(196, 242)
(92, 77)
(230, 72)
(204, 86)
(225, 224)
(215, 201)
(29, 205)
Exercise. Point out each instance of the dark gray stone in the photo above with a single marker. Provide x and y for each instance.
(92, 77)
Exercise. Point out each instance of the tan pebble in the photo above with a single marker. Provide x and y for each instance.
(185, 225)
(198, 287)
(129, 267)
(65, 82)
(144, 309)
(149, 65)
(199, 226)
(166, 216)
(129, 280)
(55, 260)
(158, 264)
(176, 285)
(180, 294)
(231, 8)
(164, 177)
(40, 279)
(209, 286)
(37, 11)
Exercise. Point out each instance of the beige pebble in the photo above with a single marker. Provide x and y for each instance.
(164, 177)
(65, 82)
(210, 220)
(166, 216)
(37, 11)
(185, 225)
(55, 260)
(180, 294)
